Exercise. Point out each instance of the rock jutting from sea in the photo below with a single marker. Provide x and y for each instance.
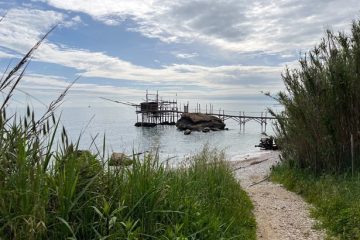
(199, 122)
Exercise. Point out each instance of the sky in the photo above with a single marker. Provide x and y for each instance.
(200, 49)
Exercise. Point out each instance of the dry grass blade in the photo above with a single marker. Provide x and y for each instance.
(23, 61)
(55, 104)
(9, 94)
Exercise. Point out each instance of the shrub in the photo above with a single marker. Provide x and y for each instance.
(321, 105)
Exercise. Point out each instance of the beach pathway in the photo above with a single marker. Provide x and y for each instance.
(280, 214)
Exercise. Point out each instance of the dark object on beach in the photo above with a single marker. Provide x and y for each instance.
(187, 132)
(145, 124)
(206, 129)
(267, 144)
(198, 122)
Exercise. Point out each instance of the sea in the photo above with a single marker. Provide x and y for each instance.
(115, 123)
(110, 127)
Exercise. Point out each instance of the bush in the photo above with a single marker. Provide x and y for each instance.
(322, 103)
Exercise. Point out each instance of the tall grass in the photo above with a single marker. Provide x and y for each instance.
(49, 189)
(79, 198)
(322, 103)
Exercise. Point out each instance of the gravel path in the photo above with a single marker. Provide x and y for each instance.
(279, 214)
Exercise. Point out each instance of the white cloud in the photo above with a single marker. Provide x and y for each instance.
(58, 84)
(21, 28)
(4, 54)
(49, 87)
(73, 22)
(28, 25)
(234, 25)
(185, 55)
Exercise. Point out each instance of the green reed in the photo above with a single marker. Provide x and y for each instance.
(322, 103)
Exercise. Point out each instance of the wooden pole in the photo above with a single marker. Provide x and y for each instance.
(352, 154)
(265, 120)
(244, 121)
(240, 120)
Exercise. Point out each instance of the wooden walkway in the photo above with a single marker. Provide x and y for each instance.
(243, 118)
(155, 111)
(171, 116)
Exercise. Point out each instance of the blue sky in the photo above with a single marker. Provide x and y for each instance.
(225, 49)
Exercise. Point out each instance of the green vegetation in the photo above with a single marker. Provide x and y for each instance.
(336, 198)
(79, 198)
(318, 132)
(322, 103)
(51, 190)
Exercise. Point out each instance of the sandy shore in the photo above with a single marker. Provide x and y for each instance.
(279, 214)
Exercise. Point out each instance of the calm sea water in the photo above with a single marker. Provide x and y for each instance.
(117, 123)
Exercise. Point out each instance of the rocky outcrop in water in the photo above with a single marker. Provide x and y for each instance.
(199, 122)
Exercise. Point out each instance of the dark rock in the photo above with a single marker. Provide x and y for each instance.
(215, 129)
(187, 132)
(206, 129)
(267, 144)
(226, 129)
(199, 121)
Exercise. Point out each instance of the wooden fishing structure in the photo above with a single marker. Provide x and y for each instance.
(156, 111)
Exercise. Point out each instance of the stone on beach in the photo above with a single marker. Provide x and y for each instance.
(119, 159)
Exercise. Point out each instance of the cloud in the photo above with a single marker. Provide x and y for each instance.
(55, 83)
(185, 55)
(48, 87)
(28, 25)
(240, 26)
(4, 54)
(22, 27)
(73, 22)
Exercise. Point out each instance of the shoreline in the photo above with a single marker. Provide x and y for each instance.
(256, 164)
(249, 155)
